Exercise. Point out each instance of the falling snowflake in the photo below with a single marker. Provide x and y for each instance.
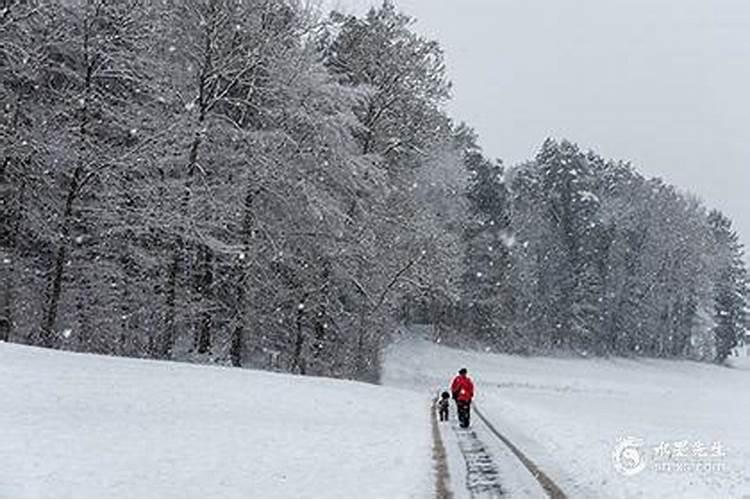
(588, 196)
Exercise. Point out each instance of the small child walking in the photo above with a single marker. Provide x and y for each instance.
(444, 405)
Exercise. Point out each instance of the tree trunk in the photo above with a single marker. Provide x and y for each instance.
(203, 342)
(180, 243)
(237, 345)
(360, 357)
(8, 215)
(166, 346)
(237, 339)
(298, 363)
(6, 295)
(10, 224)
(47, 335)
(179, 254)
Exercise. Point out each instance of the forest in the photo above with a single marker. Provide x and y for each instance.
(256, 183)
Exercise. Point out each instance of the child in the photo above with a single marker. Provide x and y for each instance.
(443, 405)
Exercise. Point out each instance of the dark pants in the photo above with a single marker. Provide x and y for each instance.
(443, 412)
(464, 412)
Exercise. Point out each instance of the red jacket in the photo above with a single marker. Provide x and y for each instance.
(462, 388)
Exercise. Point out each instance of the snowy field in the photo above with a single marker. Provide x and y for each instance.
(567, 415)
(83, 425)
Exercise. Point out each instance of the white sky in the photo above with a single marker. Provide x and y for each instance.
(664, 83)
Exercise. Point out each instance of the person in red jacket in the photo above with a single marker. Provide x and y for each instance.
(462, 389)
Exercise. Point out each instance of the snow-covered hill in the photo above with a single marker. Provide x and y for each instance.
(568, 415)
(83, 425)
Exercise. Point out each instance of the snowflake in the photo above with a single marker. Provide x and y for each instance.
(588, 196)
(508, 240)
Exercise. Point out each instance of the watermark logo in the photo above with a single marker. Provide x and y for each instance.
(628, 456)
(631, 456)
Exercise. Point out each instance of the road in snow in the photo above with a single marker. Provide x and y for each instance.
(76, 425)
(567, 415)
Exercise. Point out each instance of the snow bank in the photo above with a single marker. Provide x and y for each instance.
(83, 425)
(568, 415)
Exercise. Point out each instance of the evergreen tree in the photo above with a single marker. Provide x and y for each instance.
(486, 285)
(570, 256)
(731, 287)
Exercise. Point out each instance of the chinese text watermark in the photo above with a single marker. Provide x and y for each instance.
(632, 455)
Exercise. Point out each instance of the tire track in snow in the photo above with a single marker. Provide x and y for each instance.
(442, 478)
(545, 482)
(482, 475)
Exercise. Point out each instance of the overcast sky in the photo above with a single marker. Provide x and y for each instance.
(663, 83)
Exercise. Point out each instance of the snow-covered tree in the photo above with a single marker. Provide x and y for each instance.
(76, 101)
(402, 76)
(731, 287)
(486, 290)
(238, 182)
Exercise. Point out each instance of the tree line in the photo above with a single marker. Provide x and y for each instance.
(574, 252)
(251, 183)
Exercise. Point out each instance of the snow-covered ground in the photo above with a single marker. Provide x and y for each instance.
(568, 416)
(83, 425)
